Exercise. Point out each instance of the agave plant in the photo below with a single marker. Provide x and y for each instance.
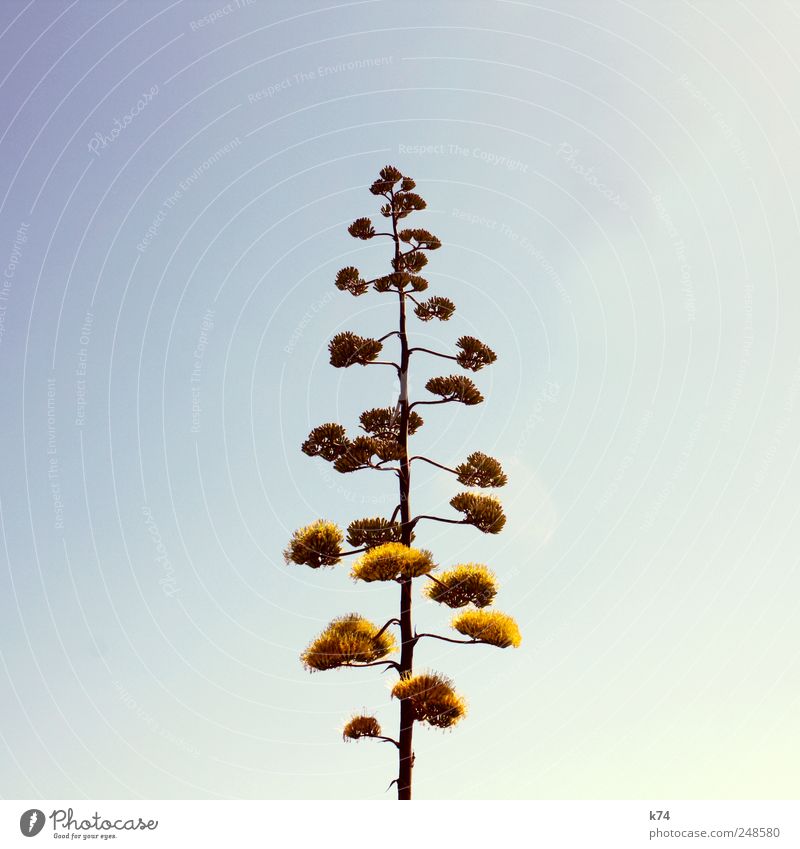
(385, 543)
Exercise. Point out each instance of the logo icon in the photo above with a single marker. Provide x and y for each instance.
(31, 822)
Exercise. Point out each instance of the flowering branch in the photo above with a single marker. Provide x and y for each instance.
(433, 463)
(451, 640)
(383, 363)
(387, 663)
(387, 625)
(441, 401)
(435, 353)
(439, 519)
(353, 551)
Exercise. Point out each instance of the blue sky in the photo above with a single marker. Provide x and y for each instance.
(614, 185)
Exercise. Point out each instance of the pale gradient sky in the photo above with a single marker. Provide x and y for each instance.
(635, 268)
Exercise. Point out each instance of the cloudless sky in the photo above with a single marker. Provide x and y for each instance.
(615, 188)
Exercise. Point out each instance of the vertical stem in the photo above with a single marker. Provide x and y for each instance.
(406, 753)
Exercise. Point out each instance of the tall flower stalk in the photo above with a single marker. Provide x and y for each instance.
(385, 544)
